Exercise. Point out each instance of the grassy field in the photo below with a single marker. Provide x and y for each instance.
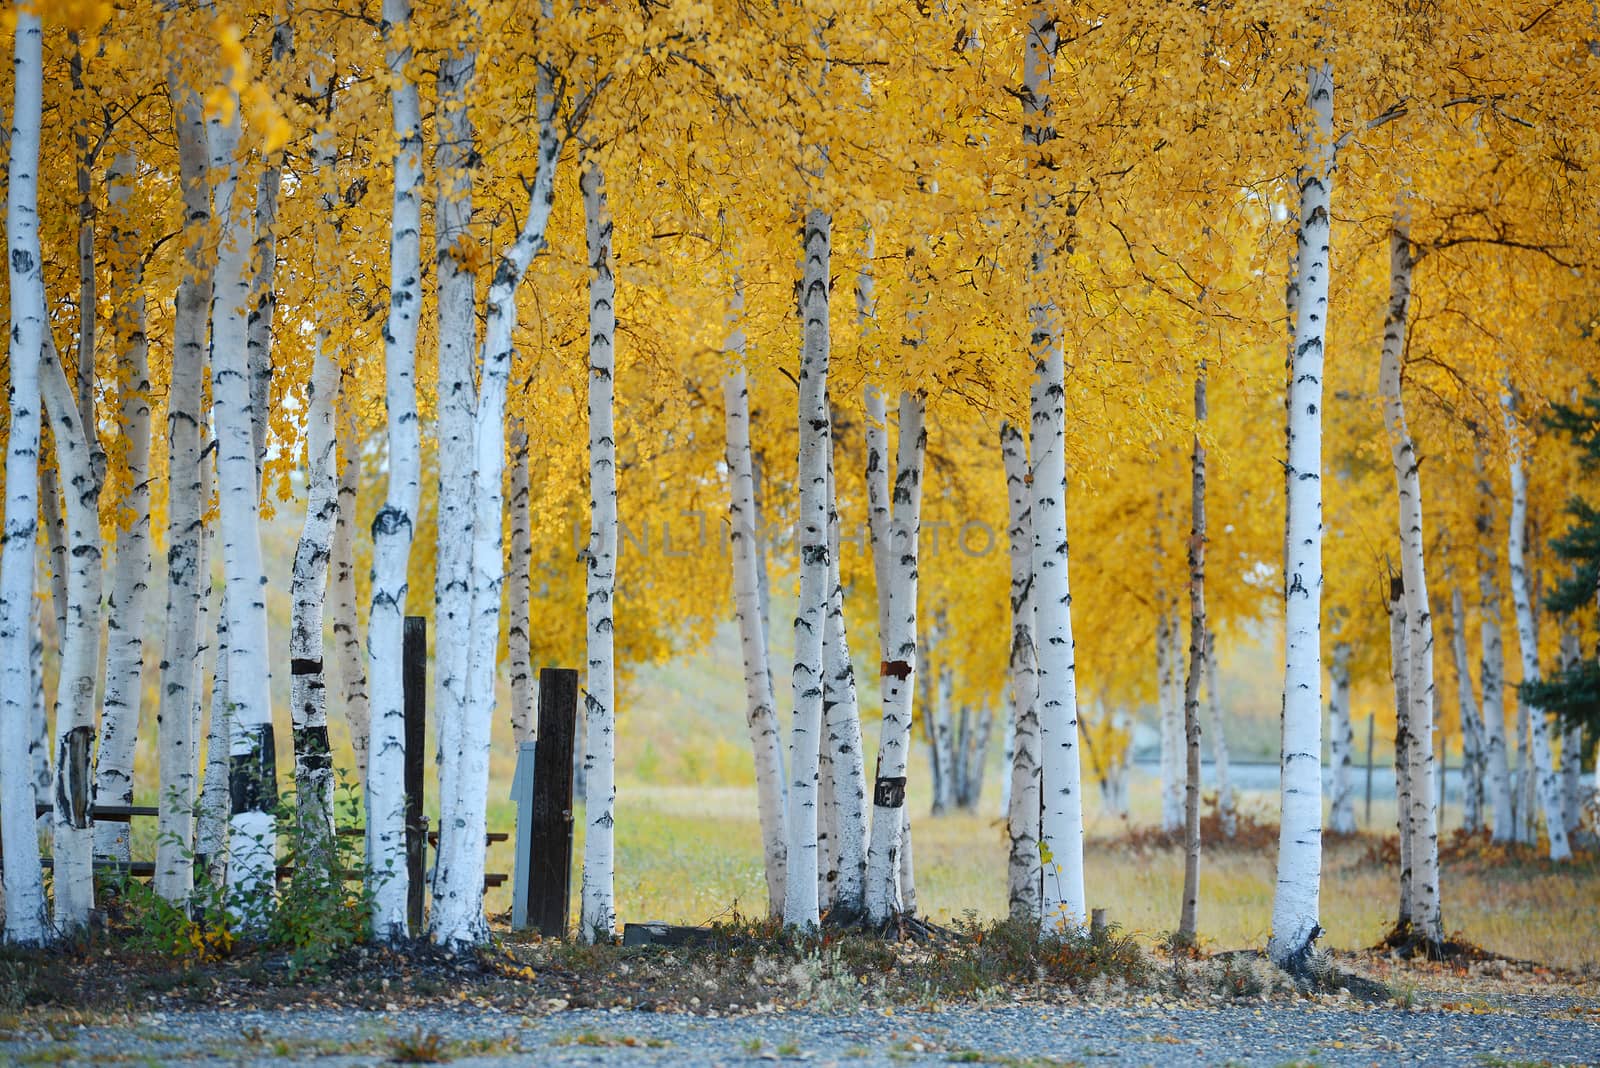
(690, 854)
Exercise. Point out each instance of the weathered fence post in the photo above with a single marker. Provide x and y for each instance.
(543, 894)
(414, 660)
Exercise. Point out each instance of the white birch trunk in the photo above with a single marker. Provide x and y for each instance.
(457, 918)
(1023, 887)
(80, 649)
(938, 713)
(598, 917)
(1540, 765)
(24, 885)
(252, 772)
(39, 739)
(211, 831)
(1492, 662)
(393, 526)
(800, 906)
(130, 571)
(263, 301)
(1472, 741)
(456, 295)
(1061, 821)
(1196, 668)
(1227, 804)
(1341, 744)
(313, 760)
(177, 736)
(1400, 674)
(907, 876)
(896, 529)
(841, 711)
(1573, 792)
(1296, 903)
(760, 706)
(519, 650)
(1170, 714)
(348, 648)
(1424, 818)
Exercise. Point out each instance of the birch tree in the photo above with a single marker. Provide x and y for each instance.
(598, 918)
(1296, 903)
(1023, 886)
(1197, 661)
(186, 576)
(1422, 819)
(1341, 810)
(457, 918)
(1541, 762)
(23, 879)
(393, 525)
(456, 300)
(1062, 903)
(1491, 664)
(252, 771)
(1227, 807)
(760, 706)
(841, 713)
(1473, 755)
(800, 906)
(342, 583)
(130, 572)
(895, 525)
(80, 650)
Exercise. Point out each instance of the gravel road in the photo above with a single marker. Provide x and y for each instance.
(1503, 1031)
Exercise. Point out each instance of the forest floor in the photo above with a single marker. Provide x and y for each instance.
(751, 1001)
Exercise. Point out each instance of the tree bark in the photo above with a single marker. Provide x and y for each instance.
(761, 718)
(599, 909)
(1197, 661)
(1400, 672)
(457, 918)
(130, 570)
(1227, 804)
(1296, 904)
(252, 830)
(348, 646)
(1061, 821)
(800, 906)
(186, 576)
(1423, 819)
(456, 296)
(1540, 766)
(519, 651)
(1023, 886)
(308, 703)
(1472, 740)
(896, 528)
(393, 526)
(1341, 743)
(1492, 669)
(841, 712)
(23, 878)
(1169, 703)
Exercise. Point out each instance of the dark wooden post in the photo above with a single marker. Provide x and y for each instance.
(549, 887)
(414, 658)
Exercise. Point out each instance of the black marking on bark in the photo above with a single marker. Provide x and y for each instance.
(253, 774)
(311, 748)
(889, 792)
(301, 665)
(897, 669)
(73, 785)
